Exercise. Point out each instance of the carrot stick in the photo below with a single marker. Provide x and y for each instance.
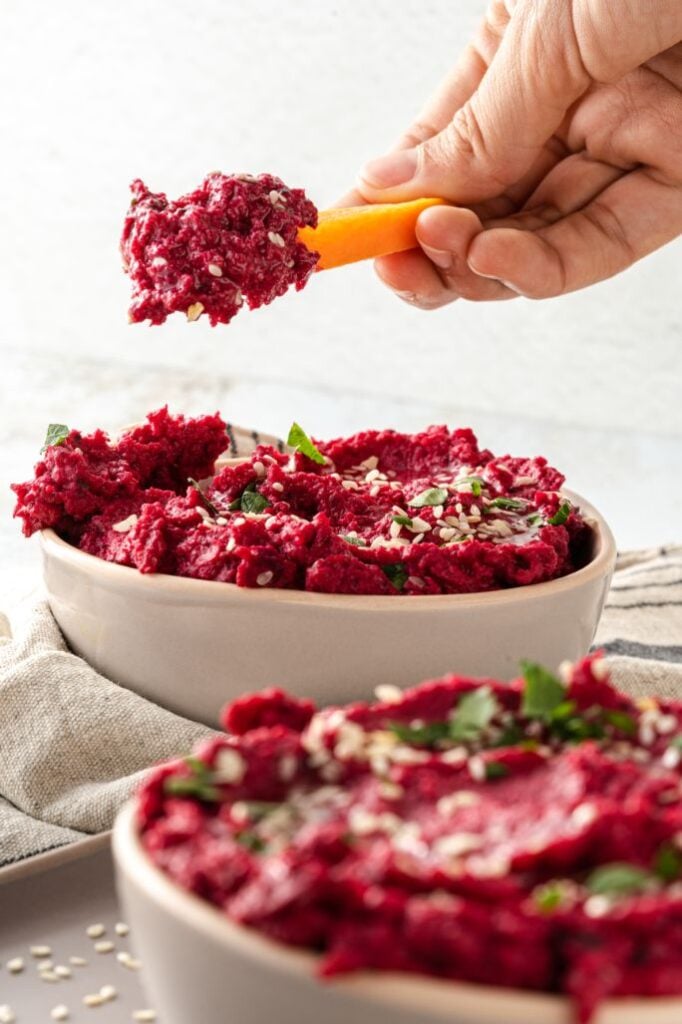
(364, 232)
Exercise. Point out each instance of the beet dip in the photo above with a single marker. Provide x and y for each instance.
(233, 239)
(525, 835)
(376, 513)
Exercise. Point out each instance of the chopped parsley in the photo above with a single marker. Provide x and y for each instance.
(513, 504)
(495, 770)
(432, 497)
(251, 841)
(403, 520)
(357, 542)
(618, 879)
(476, 482)
(56, 435)
(299, 440)
(561, 515)
(250, 501)
(548, 898)
(474, 713)
(397, 574)
(198, 784)
(668, 863)
(622, 721)
(543, 693)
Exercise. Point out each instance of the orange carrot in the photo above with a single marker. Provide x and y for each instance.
(364, 232)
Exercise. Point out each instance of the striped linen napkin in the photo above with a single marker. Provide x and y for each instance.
(74, 745)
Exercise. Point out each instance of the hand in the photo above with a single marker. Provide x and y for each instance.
(560, 129)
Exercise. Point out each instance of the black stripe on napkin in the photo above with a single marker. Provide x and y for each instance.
(631, 649)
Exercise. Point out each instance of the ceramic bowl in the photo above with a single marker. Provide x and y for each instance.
(191, 645)
(200, 966)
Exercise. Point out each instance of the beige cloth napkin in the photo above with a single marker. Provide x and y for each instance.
(73, 745)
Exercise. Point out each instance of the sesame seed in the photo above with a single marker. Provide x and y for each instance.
(277, 486)
(194, 311)
(287, 767)
(104, 946)
(45, 965)
(416, 581)
(40, 951)
(16, 965)
(159, 262)
(60, 1012)
(477, 768)
(221, 521)
(583, 814)
(62, 971)
(95, 931)
(276, 239)
(666, 724)
(671, 758)
(144, 1015)
(93, 1000)
(48, 976)
(127, 960)
(263, 578)
(276, 197)
(215, 270)
(6, 1014)
(388, 693)
(231, 544)
(566, 671)
(458, 844)
(454, 801)
(597, 906)
(229, 766)
(78, 961)
(108, 992)
(438, 511)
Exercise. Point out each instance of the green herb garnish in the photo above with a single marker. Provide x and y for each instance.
(622, 721)
(357, 542)
(549, 897)
(251, 841)
(561, 515)
(477, 483)
(56, 435)
(397, 574)
(198, 784)
(474, 713)
(532, 520)
(403, 520)
(618, 879)
(250, 500)
(509, 503)
(299, 440)
(668, 863)
(495, 770)
(421, 735)
(209, 504)
(430, 498)
(543, 693)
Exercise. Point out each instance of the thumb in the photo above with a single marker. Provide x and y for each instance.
(544, 62)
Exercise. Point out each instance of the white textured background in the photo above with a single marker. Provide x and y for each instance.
(92, 95)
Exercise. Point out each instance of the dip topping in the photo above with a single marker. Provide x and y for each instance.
(377, 513)
(525, 834)
(232, 240)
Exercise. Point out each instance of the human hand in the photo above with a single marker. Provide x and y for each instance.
(561, 130)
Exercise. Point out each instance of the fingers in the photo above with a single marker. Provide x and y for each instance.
(631, 218)
(439, 273)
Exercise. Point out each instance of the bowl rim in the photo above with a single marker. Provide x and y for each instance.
(161, 585)
(391, 988)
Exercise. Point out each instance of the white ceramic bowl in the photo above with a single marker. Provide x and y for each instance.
(201, 967)
(191, 645)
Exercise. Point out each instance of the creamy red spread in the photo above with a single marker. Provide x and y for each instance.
(378, 513)
(232, 240)
(525, 835)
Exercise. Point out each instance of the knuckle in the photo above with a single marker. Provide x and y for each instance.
(418, 133)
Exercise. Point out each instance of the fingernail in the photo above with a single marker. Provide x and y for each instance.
(493, 277)
(410, 297)
(390, 170)
(441, 257)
